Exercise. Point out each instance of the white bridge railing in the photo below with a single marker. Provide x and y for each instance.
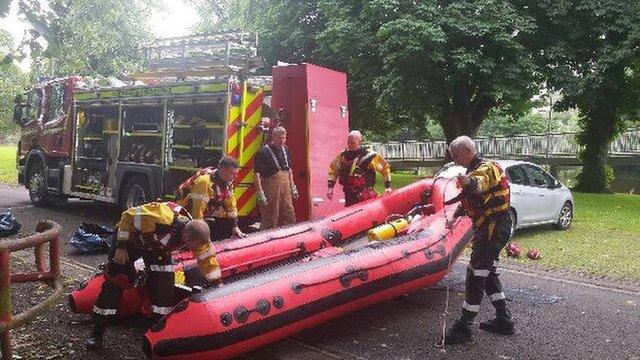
(565, 145)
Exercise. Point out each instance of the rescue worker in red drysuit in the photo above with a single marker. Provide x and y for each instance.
(208, 195)
(485, 198)
(151, 232)
(355, 169)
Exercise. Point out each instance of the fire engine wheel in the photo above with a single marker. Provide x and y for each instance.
(37, 186)
(136, 192)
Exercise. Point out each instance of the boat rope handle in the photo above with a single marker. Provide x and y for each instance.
(297, 287)
(268, 239)
(346, 215)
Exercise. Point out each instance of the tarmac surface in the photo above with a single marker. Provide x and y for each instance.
(556, 317)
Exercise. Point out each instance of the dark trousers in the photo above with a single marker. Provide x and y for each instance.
(160, 284)
(351, 197)
(220, 228)
(482, 275)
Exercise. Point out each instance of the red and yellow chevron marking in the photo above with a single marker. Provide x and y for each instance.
(244, 139)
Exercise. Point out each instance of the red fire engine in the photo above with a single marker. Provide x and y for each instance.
(130, 143)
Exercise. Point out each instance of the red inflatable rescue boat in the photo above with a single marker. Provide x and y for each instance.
(270, 247)
(247, 314)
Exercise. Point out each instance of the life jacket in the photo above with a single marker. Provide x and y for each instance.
(157, 226)
(220, 200)
(185, 187)
(486, 207)
(354, 171)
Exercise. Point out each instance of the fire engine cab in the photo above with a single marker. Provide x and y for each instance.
(134, 141)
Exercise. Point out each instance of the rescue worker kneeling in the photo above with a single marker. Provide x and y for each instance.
(208, 195)
(486, 199)
(151, 232)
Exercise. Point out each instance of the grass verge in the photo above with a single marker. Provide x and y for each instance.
(8, 172)
(604, 239)
(398, 180)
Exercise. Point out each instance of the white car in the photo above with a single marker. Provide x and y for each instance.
(537, 198)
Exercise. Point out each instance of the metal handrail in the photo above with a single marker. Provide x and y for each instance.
(627, 142)
(46, 232)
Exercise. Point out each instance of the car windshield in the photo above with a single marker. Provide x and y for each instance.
(451, 170)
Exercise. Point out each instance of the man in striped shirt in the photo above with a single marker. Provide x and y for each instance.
(151, 232)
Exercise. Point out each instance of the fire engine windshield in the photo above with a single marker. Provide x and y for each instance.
(26, 108)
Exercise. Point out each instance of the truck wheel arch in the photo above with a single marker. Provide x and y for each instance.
(124, 176)
(36, 155)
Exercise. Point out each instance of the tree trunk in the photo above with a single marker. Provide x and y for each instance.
(464, 115)
(600, 128)
(458, 123)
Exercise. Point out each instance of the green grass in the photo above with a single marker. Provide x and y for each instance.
(398, 180)
(8, 172)
(604, 239)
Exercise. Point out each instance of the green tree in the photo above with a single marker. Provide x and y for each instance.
(12, 82)
(286, 29)
(590, 49)
(451, 61)
(532, 123)
(89, 37)
(408, 61)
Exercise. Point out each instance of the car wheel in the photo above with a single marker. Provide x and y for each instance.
(566, 216)
(136, 192)
(514, 223)
(36, 184)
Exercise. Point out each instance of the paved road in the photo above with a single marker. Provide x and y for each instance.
(556, 318)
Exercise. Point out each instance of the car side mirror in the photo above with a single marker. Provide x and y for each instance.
(556, 184)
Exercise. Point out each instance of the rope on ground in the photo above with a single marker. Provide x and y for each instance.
(440, 343)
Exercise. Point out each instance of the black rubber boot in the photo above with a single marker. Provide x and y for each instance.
(94, 341)
(502, 324)
(460, 333)
(499, 325)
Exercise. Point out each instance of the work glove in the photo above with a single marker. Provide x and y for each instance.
(262, 198)
(294, 192)
(238, 233)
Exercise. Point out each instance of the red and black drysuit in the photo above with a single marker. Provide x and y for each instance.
(356, 171)
(486, 199)
(151, 232)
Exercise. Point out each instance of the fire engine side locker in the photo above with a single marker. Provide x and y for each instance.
(315, 103)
